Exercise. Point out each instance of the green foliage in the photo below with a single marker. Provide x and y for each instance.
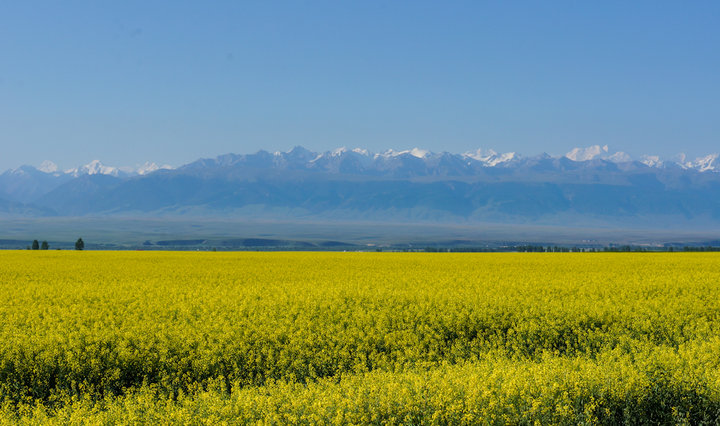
(341, 338)
(35, 245)
(79, 244)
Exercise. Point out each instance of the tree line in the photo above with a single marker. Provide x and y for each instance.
(36, 245)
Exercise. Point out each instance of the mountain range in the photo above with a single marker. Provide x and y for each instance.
(585, 186)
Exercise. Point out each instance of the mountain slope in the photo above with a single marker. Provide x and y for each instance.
(589, 184)
(25, 184)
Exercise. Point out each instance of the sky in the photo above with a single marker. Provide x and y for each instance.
(172, 81)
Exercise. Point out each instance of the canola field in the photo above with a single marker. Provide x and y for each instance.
(359, 338)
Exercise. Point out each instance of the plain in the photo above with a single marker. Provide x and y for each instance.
(117, 337)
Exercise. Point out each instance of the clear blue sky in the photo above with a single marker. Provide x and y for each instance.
(126, 81)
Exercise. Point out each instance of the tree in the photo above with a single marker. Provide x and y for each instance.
(79, 244)
(35, 245)
(44, 245)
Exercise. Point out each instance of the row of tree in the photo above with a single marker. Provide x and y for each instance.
(38, 246)
(79, 245)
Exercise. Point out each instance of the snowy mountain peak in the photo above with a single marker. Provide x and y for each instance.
(651, 160)
(22, 170)
(489, 157)
(597, 152)
(419, 153)
(401, 163)
(415, 152)
(619, 157)
(94, 167)
(480, 154)
(707, 163)
(585, 154)
(501, 158)
(149, 167)
(338, 151)
(48, 166)
(704, 164)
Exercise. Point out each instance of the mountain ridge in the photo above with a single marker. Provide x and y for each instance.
(586, 184)
(487, 157)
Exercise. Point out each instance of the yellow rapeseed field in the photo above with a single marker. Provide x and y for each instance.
(414, 338)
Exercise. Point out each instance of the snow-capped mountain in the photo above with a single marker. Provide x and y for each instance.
(149, 167)
(48, 166)
(652, 161)
(96, 167)
(407, 163)
(591, 182)
(27, 183)
(707, 163)
(490, 158)
(704, 164)
(597, 152)
(421, 162)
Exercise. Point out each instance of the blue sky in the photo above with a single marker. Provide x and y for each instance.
(126, 82)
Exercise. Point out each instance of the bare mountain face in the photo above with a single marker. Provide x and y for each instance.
(586, 186)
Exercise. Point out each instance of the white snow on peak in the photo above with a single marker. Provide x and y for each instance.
(419, 153)
(704, 164)
(480, 154)
(18, 170)
(338, 151)
(597, 152)
(585, 154)
(415, 152)
(389, 153)
(502, 158)
(149, 167)
(489, 157)
(48, 166)
(651, 160)
(619, 157)
(94, 167)
(707, 163)
(682, 161)
(386, 154)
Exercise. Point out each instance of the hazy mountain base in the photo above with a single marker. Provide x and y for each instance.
(248, 232)
(162, 194)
